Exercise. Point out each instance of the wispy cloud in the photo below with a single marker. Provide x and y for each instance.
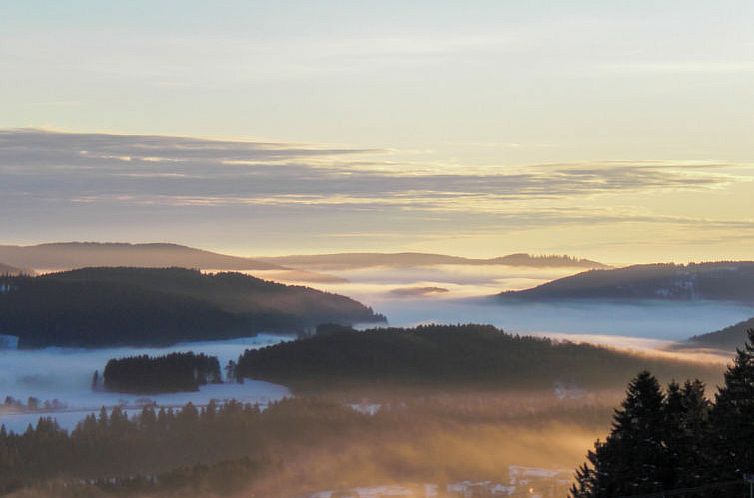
(96, 166)
(93, 180)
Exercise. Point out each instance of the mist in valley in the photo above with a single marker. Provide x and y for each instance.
(422, 442)
(62, 377)
(470, 299)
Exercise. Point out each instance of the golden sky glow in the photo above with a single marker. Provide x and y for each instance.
(616, 131)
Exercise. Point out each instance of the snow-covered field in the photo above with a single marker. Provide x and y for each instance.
(65, 374)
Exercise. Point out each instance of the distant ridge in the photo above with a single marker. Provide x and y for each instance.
(353, 260)
(724, 281)
(67, 255)
(728, 338)
(72, 255)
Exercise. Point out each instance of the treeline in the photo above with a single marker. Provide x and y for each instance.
(115, 450)
(159, 306)
(32, 404)
(449, 354)
(169, 373)
(677, 439)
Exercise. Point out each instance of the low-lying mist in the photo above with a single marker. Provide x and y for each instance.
(414, 438)
(466, 298)
(65, 375)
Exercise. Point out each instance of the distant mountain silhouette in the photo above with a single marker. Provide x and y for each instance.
(344, 261)
(418, 291)
(133, 306)
(71, 255)
(728, 338)
(728, 281)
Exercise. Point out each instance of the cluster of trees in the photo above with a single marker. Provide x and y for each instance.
(158, 306)
(448, 354)
(169, 373)
(546, 261)
(32, 404)
(677, 439)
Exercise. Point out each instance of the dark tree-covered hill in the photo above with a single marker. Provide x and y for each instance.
(449, 354)
(729, 281)
(728, 338)
(137, 306)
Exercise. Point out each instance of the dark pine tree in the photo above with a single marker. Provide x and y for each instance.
(687, 434)
(633, 459)
(733, 416)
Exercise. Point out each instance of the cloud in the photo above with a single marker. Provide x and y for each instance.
(52, 180)
(179, 171)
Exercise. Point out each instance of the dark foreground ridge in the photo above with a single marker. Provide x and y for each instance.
(448, 354)
(95, 307)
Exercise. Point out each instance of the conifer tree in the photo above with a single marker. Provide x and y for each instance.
(733, 416)
(634, 458)
(687, 432)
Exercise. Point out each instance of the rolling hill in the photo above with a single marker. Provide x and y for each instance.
(345, 261)
(728, 338)
(71, 255)
(136, 306)
(725, 281)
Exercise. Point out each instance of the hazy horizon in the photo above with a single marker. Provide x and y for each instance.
(614, 132)
(260, 199)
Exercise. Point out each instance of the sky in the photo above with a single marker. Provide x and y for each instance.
(619, 131)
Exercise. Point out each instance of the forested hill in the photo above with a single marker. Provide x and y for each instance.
(449, 355)
(136, 306)
(728, 338)
(730, 281)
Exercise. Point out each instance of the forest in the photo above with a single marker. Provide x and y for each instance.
(720, 281)
(289, 448)
(676, 441)
(169, 373)
(96, 307)
(449, 355)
